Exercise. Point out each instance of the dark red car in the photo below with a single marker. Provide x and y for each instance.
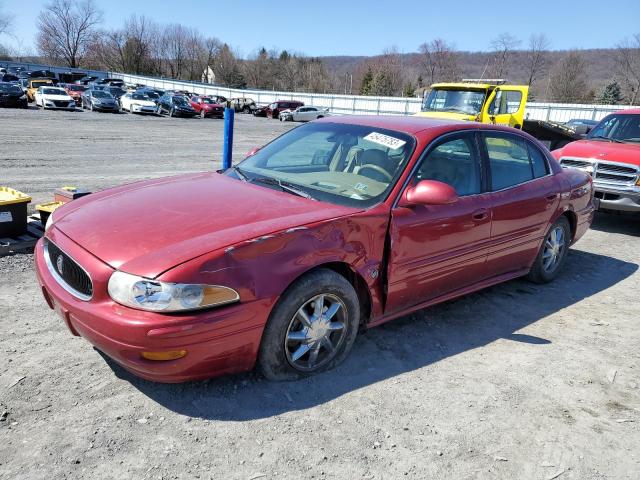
(75, 91)
(273, 109)
(207, 107)
(341, 224)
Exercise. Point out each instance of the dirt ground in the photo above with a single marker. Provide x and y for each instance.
(518, 381)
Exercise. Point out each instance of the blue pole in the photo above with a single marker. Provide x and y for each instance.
(228, 138)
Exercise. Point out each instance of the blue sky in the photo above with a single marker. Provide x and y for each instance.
(360, 27)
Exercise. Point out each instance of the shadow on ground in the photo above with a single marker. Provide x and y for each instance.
(624, 223)
(400, 346)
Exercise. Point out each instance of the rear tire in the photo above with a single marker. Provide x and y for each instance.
(298, 341)
(553, 252)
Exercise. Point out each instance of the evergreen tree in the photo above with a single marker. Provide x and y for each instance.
(611, 94)
(365, 86)
(409, 90)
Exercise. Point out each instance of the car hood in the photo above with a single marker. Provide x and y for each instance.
(602, 150)
(57, 97)
(144, 103)
(148, 227)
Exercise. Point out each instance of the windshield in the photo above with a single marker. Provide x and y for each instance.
(76, 88)
(10, 88)
(151, 94)
(101, 94)
(618, 128)
(39, 84)
(139, 96)
(53, 91)
(458, 101)
(351, 165)
(179, 100)
(208, 101)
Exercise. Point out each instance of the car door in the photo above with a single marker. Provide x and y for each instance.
(438, 249)
(524, 197)
(506, 106)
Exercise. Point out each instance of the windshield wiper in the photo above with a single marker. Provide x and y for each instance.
(608, 138)
(284, 186)
(240, 173)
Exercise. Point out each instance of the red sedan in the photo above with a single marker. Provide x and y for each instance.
(207, 107)
(339, 224)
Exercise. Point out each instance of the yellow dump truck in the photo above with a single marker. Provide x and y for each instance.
(493, 101)
(34, 84)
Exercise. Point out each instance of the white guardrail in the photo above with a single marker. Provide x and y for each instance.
(339, 104)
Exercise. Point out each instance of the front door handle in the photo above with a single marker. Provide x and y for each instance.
(480, 214)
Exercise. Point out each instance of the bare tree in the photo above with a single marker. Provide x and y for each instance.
(627, 57)
(128, 49)
(503, 45)
(66, 29)
(537, 56)
(6, 22)
(569, 79)
(439, 60)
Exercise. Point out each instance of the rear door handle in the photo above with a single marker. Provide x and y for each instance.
(480, 214)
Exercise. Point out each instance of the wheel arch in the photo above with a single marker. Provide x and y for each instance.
(352, 276)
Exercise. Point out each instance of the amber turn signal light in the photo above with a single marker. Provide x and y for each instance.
(160, 356)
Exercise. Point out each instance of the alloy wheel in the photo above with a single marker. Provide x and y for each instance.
(554, 248)
(316, 332)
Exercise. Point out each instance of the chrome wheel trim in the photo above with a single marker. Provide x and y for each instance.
(316, 332)
(554, 248)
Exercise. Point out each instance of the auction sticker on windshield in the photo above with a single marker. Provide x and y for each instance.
(385, 140)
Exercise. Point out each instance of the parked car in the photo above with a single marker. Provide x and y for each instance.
(207, 107)
(24, 84)
(86, 80)
(137, 103)
(153, 93)
(42, 74)
(304, 114)
(117, 92)
(75, 92)
(33, 84)
(579, 122)
(242, 104)
(610, 153)
(261, 111)
(9, 78)
(100, 101)
(274, 109)
(113, 82)
(357, 220)
(54, 97)
(175, 106)
(11, 95)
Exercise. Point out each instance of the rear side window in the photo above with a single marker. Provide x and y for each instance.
(513, 160)
(538, 162)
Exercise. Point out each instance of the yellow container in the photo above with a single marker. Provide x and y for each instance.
(47, 209)
(13, 212)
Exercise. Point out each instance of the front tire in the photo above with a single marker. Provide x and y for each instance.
(311, 329)
(553, 252)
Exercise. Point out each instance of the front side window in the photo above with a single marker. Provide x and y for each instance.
(455, 162)
(353, 165)
(505, 101)
(512, 161)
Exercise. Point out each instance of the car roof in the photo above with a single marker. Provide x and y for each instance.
(629, 111)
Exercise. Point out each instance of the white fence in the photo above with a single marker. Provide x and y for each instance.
(365, 105)
(341, 104)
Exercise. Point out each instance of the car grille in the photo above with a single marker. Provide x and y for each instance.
(68, 273)
(603, 171)
(61, 103)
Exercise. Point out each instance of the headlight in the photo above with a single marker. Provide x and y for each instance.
(145, 294)
(49, 222)
(23, 97)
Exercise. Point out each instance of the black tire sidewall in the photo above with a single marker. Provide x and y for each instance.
(272, 359)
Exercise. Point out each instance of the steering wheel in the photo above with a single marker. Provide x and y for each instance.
(377, 169)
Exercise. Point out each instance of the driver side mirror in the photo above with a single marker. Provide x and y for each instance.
(429, 192)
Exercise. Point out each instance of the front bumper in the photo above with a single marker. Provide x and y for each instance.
(53, 106)
(218, 341)
(143, 109)
(621, 200)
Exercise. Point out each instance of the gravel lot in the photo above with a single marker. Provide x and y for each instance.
(519, 381)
